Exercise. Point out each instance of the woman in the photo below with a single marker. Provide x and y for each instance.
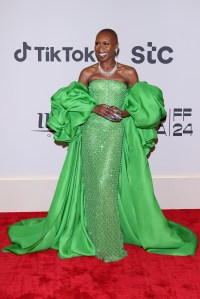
(104, 196)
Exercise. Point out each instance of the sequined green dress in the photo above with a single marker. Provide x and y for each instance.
(101, 156)
(104, 196)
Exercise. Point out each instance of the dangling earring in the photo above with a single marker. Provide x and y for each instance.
(116, 51)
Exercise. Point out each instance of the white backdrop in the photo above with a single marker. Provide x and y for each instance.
(30, 161)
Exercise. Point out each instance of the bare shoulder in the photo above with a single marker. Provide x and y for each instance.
(86, 73)
(130, 74)
(129, 70)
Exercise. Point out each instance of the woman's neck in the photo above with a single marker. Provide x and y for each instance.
(107, 65)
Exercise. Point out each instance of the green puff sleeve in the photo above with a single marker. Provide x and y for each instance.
(145, 104)
(71, 106)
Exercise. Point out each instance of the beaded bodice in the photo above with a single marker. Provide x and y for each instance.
(109, 92)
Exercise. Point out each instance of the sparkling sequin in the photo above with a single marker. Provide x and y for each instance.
(101, 156)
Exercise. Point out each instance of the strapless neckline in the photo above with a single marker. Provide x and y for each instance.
(112, 80)
(108, 92)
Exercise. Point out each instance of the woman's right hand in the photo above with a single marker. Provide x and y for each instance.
(106, 112)
(102, 110)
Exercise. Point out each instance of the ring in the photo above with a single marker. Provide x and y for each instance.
(117, 116)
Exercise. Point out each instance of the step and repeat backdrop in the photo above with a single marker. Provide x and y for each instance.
(45, 45)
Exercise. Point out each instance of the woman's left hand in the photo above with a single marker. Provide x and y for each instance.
(118, 114)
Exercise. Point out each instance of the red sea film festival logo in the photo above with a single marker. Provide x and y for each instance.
(178, 123)
(42, 119)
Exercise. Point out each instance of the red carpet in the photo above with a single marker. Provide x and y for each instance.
(140, 275)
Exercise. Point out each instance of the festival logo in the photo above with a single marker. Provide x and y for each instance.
(42, 119)
(178, 123)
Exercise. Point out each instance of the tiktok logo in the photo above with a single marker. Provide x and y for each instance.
(50, 54)
(24, 50)
(152, 54)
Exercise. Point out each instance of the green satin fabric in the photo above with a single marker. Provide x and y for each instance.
(142, 221)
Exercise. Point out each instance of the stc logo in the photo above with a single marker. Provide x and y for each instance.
(163, 54)
(151, 54)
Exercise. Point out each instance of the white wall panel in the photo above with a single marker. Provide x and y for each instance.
(26, 86)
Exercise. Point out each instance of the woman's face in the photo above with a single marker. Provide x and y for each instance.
(105, 46)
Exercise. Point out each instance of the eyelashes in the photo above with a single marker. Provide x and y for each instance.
(104, 44)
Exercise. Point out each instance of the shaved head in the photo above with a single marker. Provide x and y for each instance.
(107, 30)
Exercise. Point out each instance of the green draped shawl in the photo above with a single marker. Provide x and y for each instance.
(142, 221)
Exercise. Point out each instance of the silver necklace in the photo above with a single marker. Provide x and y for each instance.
(107, 74)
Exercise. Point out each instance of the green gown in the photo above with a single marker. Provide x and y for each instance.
(104, 196)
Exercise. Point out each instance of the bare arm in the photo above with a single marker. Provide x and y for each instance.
(131, 77)
(84, 76)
